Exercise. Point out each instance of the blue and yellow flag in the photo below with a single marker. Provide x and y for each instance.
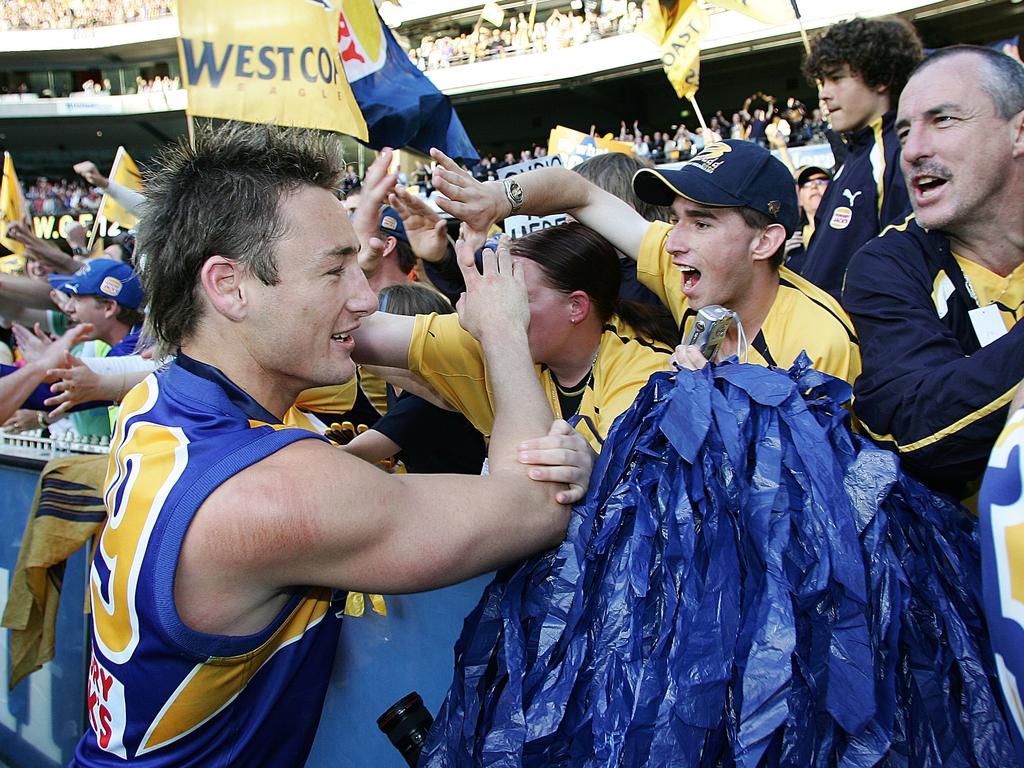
(12, 204)
(267, 61)
(401, 106)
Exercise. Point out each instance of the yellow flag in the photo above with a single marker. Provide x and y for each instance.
(680, 49)
(575, 146)
(492, 14)
(12, 204)
(267, 61)
(767, 11)
(126, 173)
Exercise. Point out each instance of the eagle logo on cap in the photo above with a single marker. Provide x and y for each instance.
(774, 206)
(709, 158)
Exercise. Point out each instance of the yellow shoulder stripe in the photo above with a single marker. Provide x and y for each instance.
(945, 432)
(898, 227)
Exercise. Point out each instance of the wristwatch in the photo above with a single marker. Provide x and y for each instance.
(514, 193)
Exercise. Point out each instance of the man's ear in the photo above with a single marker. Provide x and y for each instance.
(1017, 124)
(579, 307)
(390, 245)
(768, 242)
(222, 281)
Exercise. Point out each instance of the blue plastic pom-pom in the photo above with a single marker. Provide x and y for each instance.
(747, 583)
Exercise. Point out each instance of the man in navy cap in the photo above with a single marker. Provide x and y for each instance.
(397, 257)
(105, 296)
(734, 206)
(108, 295)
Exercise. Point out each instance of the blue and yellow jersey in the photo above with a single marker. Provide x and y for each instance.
(866, 195)
(932, 388)
(1001, 508)
(803, 318)
(159, 692)
(449, 359)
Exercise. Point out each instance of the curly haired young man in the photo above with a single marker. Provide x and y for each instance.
(861, 66)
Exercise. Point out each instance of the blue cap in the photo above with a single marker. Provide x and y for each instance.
(730, 173)
(106, 278)
(391, 223)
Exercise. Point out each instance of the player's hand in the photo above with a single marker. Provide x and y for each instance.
(562, 456)
(495, 301)
(427, 232)
(478, 204)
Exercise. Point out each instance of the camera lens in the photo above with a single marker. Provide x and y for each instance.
(406, 724)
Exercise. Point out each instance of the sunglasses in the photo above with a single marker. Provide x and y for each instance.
(814, 183)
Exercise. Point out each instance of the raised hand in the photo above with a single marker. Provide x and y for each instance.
(87, 170)
(54, 355)
(75, 383)
(31, 343)
(478, 204)
(427, 232)
(496, 300)
(377, 185)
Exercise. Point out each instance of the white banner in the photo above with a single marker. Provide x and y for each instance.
(529, 165)
(520, 226)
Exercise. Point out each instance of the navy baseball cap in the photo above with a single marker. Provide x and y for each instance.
(391, 223)
(807, 171)
(730, 174)
(106, 278)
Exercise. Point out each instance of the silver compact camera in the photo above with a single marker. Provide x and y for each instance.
(709, 329)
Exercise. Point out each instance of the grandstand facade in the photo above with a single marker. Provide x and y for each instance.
(80, 91)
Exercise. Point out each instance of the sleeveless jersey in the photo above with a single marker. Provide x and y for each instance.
(160, 693)
(1001, 509)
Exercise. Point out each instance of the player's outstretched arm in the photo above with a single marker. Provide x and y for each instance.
(312, 515)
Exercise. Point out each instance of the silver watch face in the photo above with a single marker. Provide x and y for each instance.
(514, 192)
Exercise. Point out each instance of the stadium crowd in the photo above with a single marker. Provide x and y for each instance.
(898, 271)
(73, 14)
(520, 36)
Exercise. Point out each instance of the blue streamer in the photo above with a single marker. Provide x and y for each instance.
(747, 583)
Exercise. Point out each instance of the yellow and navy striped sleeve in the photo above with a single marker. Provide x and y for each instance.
(928, 389)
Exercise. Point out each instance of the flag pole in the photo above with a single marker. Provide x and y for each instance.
(800, 23)
(696, 108)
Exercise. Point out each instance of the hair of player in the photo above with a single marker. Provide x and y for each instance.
(221, 196)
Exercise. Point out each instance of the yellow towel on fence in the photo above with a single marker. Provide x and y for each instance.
(67, 511)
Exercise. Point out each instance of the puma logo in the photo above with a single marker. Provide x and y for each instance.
(851, 196)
